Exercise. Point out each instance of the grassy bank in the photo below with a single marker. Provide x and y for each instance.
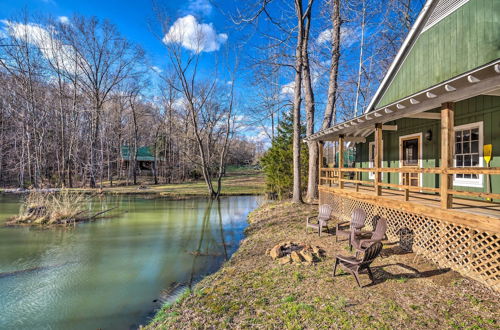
(252, 290)
(237, 182)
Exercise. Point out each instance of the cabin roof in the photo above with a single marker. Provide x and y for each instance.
(143, 153)
(402, 94)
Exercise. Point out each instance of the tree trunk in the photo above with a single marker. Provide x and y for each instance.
(330, 112)
(297, 100)
(312, 187)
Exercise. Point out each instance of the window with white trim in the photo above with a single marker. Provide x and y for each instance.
(469, 153)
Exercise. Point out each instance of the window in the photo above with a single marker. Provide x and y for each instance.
(469, 153)
(410, 152)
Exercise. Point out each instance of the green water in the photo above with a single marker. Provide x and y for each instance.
(113, 274)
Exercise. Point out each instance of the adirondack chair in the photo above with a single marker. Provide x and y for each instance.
(360, 242)
(324, 215)
(354, 226)
(355, 266)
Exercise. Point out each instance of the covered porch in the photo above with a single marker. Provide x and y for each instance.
(452, 225)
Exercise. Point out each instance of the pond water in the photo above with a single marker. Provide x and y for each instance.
(113, 273)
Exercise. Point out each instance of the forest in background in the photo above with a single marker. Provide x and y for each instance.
(75, 93)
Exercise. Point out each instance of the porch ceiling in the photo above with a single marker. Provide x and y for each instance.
(482, 80)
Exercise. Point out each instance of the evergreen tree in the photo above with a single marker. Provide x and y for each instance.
(277, 162)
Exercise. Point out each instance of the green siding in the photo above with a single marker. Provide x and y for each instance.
(466, 39)
(480, 108)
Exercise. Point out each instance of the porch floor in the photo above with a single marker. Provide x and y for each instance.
(478, 207)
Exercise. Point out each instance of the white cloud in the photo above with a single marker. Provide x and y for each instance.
(202, 7)
(156, 69)
(52, 49)
(197, 37)
(347, 36)
(288, 89)
(63, 19)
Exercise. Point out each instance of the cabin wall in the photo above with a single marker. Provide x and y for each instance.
(480, 108)
(466, 39)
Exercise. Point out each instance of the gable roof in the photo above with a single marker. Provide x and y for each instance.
(449, 38)
(143, 153)
(405, 47)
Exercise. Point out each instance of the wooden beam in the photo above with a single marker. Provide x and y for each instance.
(389, 127)
(378, 157)
(355, 139)
(426, 115)
(320, 160)
(341, 160)
(447, 132)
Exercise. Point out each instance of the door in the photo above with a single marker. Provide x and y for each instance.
(410, 155)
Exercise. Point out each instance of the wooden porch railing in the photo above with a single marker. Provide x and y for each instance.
(331, 176)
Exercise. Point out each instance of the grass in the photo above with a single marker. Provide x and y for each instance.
(243, 181)
(251, 290)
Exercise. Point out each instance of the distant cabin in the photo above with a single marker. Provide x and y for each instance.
(145, 159)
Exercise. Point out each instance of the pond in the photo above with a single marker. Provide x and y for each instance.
(113, 273)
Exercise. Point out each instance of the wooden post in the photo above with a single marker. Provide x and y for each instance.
(341, 160)
(320, 161)
(407, 191)
(447, 131)
(378, 158)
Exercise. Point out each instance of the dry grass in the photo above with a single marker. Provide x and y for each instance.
(252, 290)
(50, 208)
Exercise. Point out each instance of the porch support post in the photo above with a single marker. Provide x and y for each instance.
(320, 161)
(341, 160)
(378, 158)
(447, 131)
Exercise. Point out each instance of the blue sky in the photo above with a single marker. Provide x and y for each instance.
(134, 18)
(137, 21)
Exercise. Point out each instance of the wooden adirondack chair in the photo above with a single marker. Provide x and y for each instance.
(355, 266)
(360, 243)
(324, 215)
(357, 222)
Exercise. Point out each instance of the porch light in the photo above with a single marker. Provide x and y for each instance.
(430, 95)
(400, 106)
(376, 114)
(472, 79)
(360, 120)
(387, 110)
(414, 101)
(497, 68)
(353, 123)
(449, 88)
(428, 135)
(367, 117)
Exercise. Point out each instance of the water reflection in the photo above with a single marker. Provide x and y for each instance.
(110, 274)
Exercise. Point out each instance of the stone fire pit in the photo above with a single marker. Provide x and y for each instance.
(297, 253)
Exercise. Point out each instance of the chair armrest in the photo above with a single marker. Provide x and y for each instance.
(367, 241)
(341, 224)
(351, 260)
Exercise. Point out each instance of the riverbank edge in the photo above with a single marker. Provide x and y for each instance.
(250, 290)
(164, 314)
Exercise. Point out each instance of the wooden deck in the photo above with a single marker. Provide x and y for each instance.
(479, 214)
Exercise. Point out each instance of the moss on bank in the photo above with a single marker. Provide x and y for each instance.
(251, 290)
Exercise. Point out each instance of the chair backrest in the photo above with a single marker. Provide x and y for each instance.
(371, 253)
(358, 218)
(325, 212)
(380, 229)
